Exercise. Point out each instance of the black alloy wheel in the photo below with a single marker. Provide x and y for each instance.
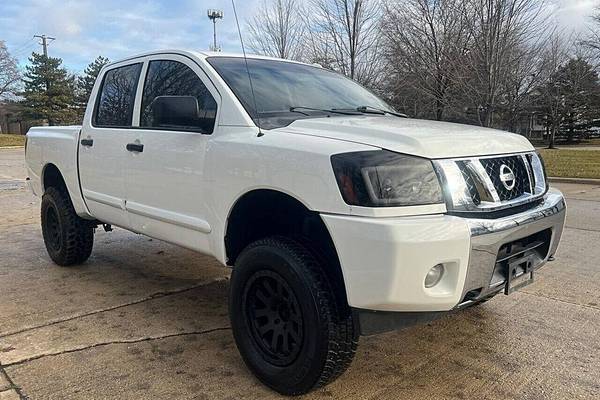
(288, 324)
(274, 317)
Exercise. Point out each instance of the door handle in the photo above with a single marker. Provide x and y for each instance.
(135, 147)
(87, 142)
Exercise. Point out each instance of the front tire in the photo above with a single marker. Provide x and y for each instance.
(68, 238)
(286, 322)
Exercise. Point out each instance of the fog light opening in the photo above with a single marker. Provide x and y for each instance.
(434, 276)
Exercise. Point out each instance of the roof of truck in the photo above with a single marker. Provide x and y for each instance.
(204, 54)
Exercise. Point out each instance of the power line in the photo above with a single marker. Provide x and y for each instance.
(23, 51)
(44, 42)
(23, 45)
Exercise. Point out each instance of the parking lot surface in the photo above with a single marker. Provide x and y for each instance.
(142, 319)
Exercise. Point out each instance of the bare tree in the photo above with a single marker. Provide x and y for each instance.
(467, 60)
(277, 29)
(554, 56)
(346, 34)
(524, 73)
(504, 32)
(10, 76)
(426, 41)
(593, 39)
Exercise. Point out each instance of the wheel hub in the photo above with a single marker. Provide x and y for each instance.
(284, 312)
(274, 317)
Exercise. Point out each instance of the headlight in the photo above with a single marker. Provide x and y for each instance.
(382, 178)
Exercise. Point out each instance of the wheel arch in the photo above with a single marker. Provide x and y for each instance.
(52, 177)
(260, 213)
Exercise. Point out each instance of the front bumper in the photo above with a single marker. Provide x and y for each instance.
(385, 260)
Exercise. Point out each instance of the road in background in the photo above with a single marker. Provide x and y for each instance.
(144, 319)
(12, 169)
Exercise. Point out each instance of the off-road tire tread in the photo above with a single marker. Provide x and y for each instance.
(79, 233)
(343, 334)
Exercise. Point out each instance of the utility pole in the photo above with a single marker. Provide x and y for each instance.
(44, 43)
(213, 15)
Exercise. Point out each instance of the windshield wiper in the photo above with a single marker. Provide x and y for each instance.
(331, 110)
(349, 111)
(375, 110)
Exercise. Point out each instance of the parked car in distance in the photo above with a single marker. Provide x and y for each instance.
(338, 216)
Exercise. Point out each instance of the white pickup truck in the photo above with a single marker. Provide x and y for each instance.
(338, 216)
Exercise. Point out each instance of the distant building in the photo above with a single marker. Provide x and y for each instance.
(532, 125)
(11, 120)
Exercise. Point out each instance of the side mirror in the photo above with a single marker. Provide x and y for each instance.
(175, 111)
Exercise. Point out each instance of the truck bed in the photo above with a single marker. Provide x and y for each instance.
(56, 146)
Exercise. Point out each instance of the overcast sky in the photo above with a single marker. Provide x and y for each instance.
(85, 29)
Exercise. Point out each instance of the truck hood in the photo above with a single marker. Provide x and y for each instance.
(430, 139)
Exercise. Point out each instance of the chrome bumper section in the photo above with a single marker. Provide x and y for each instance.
(489, 235)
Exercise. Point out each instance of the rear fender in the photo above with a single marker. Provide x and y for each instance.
(55, 147)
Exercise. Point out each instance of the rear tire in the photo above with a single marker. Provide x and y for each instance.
(68, 238)
(286, 323)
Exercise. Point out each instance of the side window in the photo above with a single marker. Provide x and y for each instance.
(175, 98)
(117, 96)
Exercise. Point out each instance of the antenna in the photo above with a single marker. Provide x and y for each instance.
(260, 133)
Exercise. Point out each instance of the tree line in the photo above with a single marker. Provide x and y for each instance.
(484, 62)
(46, 91)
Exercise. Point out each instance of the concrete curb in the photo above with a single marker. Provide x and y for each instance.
(585, 181)
(11, 147)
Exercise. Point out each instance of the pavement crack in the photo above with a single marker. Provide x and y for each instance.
(152, 296)
(582, 229)
(561, 300)
(114, 342)
(11, 384)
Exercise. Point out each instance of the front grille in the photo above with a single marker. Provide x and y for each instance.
(515, 163)
(491, 184)
(470, 182)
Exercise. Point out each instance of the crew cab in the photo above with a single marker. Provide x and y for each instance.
(338, 215)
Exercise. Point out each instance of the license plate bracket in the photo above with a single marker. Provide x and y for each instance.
(519, 274)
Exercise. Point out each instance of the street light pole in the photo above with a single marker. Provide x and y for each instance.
(213, 15)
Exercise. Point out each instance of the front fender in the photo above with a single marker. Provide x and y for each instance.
(240, 161)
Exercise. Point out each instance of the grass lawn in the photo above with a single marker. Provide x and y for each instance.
(572, 163)
(12, 140)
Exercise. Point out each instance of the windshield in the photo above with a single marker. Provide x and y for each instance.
(288, 91)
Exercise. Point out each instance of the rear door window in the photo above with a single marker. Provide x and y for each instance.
(172, 79)
(114, 107)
